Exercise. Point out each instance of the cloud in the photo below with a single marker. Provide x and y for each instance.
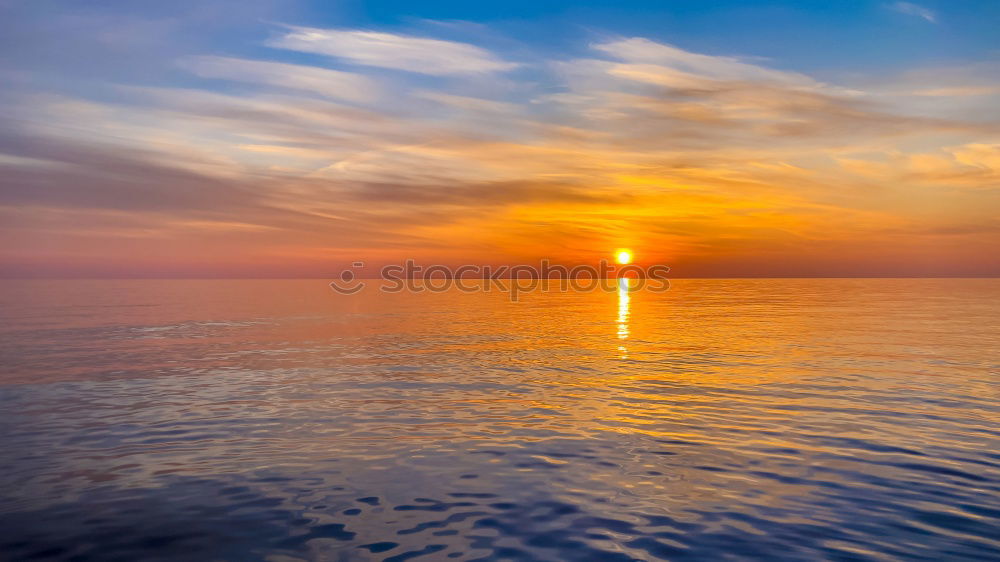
(912, 9)
(330, 83)
(662, 97)
(690, 153)
(398, 52)
(958, 92)
(972, 166)
(690, 67)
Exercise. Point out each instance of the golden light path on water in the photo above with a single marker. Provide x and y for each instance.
(624, 287)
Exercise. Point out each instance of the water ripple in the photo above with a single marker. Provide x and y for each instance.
(771, 419)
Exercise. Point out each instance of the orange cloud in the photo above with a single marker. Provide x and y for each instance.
(713, 164)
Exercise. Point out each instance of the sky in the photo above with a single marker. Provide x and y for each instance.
(267, 138)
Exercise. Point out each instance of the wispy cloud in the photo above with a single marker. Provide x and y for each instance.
(703, 156)
(330, 83)
(399, 52)
(912, 9)
(688, 65)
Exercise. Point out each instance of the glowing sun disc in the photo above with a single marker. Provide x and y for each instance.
(623, 257)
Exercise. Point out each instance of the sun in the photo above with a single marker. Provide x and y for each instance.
(623, 256)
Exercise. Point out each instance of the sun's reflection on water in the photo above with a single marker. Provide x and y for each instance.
(624, 287)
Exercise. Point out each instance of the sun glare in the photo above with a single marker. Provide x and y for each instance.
(623, 257)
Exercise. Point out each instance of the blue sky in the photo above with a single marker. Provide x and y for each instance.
(844, 36)
(801, 34)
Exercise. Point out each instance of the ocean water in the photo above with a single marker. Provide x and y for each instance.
(831, 419)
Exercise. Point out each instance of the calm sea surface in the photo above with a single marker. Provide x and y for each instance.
(725, 419)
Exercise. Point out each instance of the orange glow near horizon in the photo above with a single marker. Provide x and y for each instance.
(713, 167)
